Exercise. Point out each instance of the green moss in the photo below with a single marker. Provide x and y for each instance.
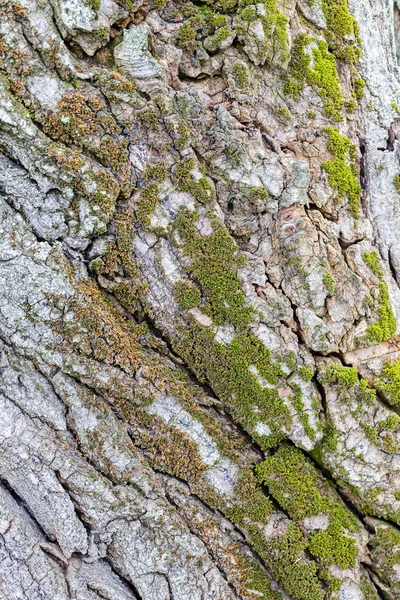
(183, 136)
(305, 373)
(147, 203)
(226, 370)
(368, 589)
(325, 77)
(275, 28)
(396, 183)
(157, 172)
(386, 325)
(359, 87)
(392, 422)
(301, 491)
(322, 76)
(342, 32)
(329, 441)
(372, 260)
(187, 294)
(290, 360)
(221, 34)
(201, 189)
(240, 75)
(214, 261)
(250, 501)
(258, 196)
(389, 383)
(151, 118)
(386, 546)
(329, 283)
(95, 4)
(160, 4)
(371, 434)
(186, 37)
(342, 177)
(345, 376)
(331, 547)
(289, 567)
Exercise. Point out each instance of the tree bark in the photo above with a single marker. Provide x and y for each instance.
(199, 300)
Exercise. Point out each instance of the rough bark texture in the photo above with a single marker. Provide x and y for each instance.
(199, 300)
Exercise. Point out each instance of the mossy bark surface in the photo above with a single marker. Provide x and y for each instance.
(199, 300)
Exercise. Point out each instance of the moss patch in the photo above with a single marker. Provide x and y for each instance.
(187, 294)
(302, 492)
(343, 177)
(386, 325)
(389, 383)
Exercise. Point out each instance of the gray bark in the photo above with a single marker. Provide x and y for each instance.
(199, 300)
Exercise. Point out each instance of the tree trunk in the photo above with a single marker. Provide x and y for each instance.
(199, 300)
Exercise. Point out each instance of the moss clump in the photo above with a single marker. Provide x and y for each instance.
(385, 549)
(220, 36)
(342, 32)
(359, 87)
(342, 177)
(288, 565)
(322, 76)
(385, 327)
(214, 261)
(147, 203)
(151, 118)
(369, 590)
(186, 37)
(329, 283)
(302, 492)
(95, 4)
(157, 172)
(183, 136)
(396, 183)
(331, 547)
(372, 260)
(275, 28)
(250, 501)
(187, 294)
(258, 196)
(81, 117)
(201, 189)
(305, 373)
(226, 370)
(300, 489)
(240, 76)
(389, 383)
(346, 376)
